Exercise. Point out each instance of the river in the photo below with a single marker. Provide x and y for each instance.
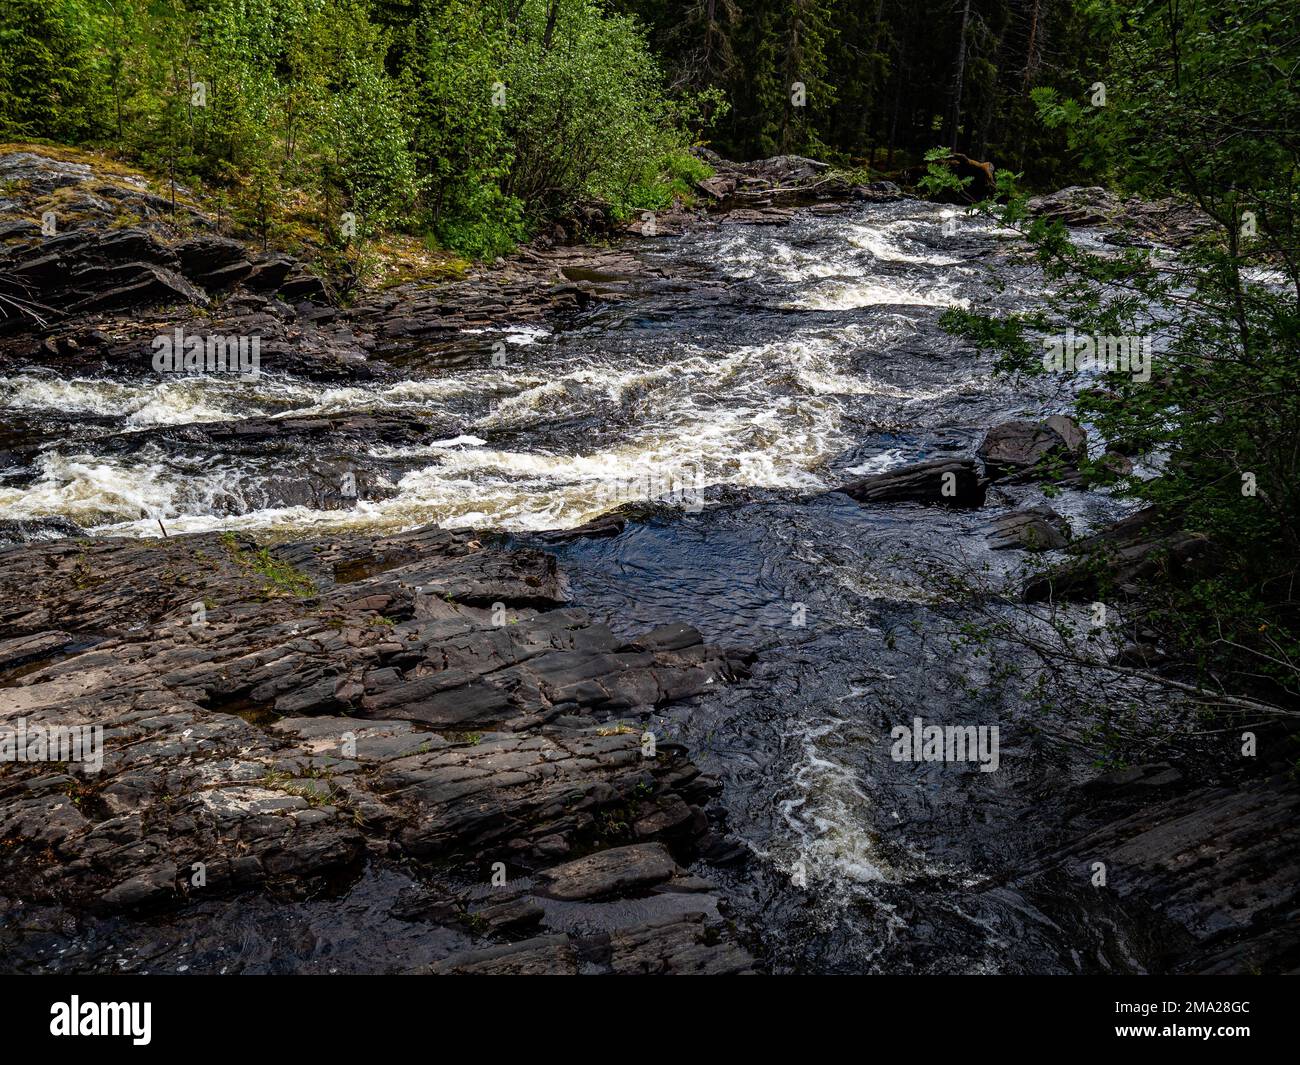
(756, 368)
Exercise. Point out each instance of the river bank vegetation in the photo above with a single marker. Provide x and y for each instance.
(471, 123)
(1203, 106)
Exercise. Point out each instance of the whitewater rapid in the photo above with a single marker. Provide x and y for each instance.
(677, 407)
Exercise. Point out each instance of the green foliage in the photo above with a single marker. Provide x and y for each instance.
(454, 56)
(51, 79)
(940, 178)
(467, 121)
(674, 177)
(281, 578)
(1220, 415)
(584, 110)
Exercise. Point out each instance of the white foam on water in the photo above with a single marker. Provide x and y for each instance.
(524, 335)
(883, 244)
(171, 401)
(876, 292)
(681, 440)
(432, 394)
(886, 460)
(90, 491)
(1263, 275)
(765, 415)
(187, 400)
(759, 415)
(828, 817)
(572, 393)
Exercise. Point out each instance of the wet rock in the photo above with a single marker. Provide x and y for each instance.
(40, 173)
(767, 216)
(21, 530)
(25, 649)
(669, 945)
(213, 262)
(621, 871)
(1076, 205)
(419, 904)
(1135, 220)
(394, 716)
(1207, 876)
(512, 916)
(1034, 529)
(943, 482)
(607, 525)
(1143, 547)
(878, 192)
(150, 886)
(543, 955)
(1022, 449)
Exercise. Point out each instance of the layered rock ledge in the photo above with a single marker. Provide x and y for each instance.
(275, 717)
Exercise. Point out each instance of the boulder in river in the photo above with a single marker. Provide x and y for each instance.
(1077, 205)
(1142, 547)
(947, 482)
(1134, 220)
(1021, 448)
(878, 192)
(1033, 529)
(610, 872)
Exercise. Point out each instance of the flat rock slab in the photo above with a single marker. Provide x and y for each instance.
(1211, 875)
(1050, 449)
(1033, 529)
(1121, 558)
(621, 871)
(671, 946)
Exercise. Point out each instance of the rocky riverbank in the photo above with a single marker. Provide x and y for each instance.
(274, 718)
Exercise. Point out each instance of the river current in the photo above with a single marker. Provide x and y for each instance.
(761, 367)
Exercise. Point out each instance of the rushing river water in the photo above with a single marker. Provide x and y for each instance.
(769, 366)
(774, 355)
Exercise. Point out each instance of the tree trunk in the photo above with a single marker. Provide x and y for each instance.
(1029, 49)
(552, 13)
(955, 119)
